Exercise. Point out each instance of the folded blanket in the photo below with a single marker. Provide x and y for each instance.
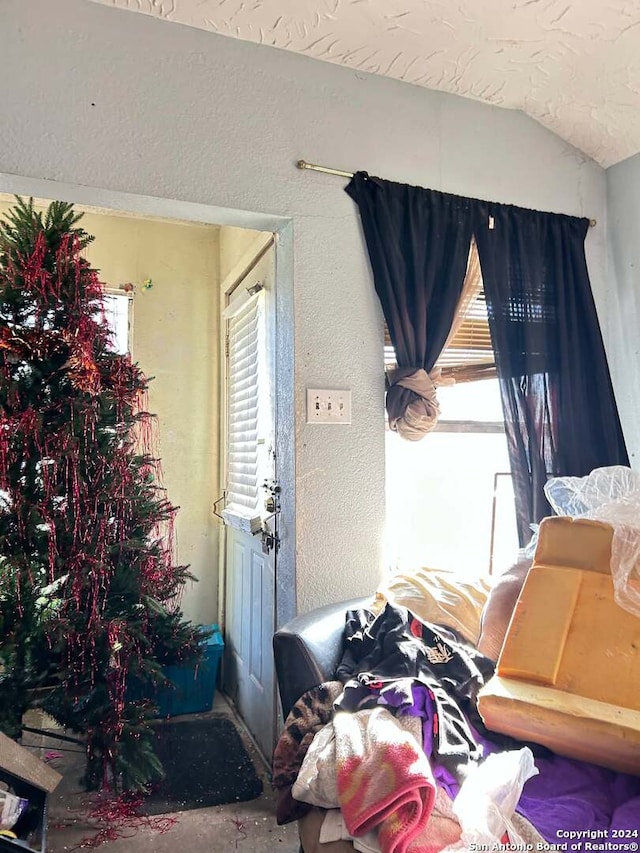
(384, 780)
(442, 830)
(317, 783)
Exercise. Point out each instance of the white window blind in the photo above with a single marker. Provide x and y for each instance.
(245, 414)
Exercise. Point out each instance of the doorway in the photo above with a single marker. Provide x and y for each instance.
(187, 318)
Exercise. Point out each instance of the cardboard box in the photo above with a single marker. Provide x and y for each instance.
(569, 669)
(32, 779)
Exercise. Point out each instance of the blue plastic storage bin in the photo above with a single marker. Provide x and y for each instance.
(193, 686)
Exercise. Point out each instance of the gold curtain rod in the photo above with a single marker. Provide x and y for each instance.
(302, 164)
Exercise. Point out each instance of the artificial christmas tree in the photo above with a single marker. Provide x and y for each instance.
(89, 596)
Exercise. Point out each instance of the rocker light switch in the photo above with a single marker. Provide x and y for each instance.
(328, 407)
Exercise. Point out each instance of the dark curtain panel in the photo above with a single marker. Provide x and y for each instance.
(418, 242)
(560, 412)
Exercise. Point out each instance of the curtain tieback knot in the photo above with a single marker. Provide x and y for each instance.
(414, 415)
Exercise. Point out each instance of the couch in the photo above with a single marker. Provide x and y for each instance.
(308, 650)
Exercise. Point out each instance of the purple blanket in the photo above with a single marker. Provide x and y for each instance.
(566, 797)
(571, 796)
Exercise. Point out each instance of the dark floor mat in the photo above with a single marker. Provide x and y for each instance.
(206, 764)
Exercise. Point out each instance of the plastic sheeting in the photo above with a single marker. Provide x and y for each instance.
(611, 495)
(488, 798)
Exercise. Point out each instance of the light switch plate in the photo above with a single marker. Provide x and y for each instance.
(328, 407)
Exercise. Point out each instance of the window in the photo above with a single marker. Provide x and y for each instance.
(449, 496)
(118, 309)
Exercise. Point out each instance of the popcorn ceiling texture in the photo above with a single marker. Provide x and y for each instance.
(573, 65)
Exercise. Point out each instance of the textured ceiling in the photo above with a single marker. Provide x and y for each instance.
(573, 65)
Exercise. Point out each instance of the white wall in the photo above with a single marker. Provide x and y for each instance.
(623, 315)
(107, 98)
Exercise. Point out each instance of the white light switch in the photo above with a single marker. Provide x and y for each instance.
(328, 407)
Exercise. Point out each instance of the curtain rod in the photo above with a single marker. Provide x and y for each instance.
(302, 164)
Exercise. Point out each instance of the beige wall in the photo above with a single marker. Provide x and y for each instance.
(175, 340)
(236, 245)
(175, 335)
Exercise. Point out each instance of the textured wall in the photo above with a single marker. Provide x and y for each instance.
(573, 66)
(122, 101)
(623, 189)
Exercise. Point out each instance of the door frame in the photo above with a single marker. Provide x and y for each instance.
(114, 201)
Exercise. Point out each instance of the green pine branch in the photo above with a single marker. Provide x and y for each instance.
(80, 510)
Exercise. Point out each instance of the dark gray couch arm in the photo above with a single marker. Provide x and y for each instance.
(308, 649)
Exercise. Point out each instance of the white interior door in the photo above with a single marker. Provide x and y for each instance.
(251, 495)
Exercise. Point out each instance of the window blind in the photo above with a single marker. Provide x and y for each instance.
(243, 414)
